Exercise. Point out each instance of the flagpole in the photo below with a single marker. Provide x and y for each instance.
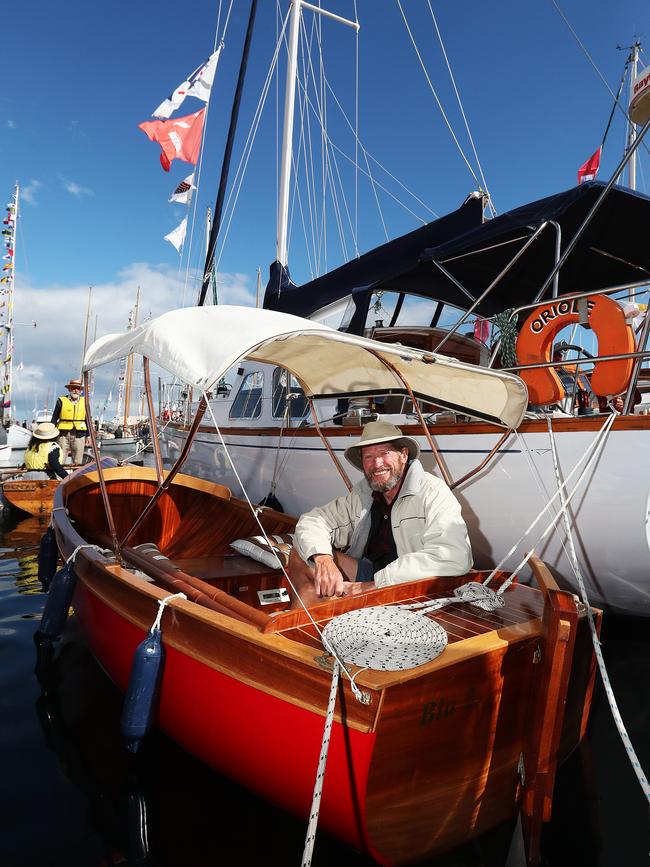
(7, 360)
(225, 166)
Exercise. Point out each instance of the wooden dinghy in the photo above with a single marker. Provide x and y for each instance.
(431, 756)
(440, 754)
(34, 496)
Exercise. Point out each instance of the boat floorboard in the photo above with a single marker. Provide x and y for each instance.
(460, 621)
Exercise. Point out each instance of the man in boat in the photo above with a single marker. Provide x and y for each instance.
(70, 417)
(398, 523)
(43, 455)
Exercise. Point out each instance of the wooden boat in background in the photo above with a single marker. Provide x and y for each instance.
(433, 755)
(34, 496)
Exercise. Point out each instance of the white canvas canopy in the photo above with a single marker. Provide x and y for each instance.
(200, 344)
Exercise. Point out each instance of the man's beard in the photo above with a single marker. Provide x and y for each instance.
(388, 485)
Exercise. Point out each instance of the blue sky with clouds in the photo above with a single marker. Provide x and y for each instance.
(79, 77)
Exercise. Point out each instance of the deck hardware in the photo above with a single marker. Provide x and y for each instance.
(537, 655)
(521, 770)
(325, 661)
(269, 597)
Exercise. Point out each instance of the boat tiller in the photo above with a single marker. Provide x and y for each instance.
(48, 555)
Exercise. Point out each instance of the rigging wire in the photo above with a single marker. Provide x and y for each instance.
(462, 111)
(435, 95)
(233, 196)
(593, 63)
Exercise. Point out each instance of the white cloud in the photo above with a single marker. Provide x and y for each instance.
(11, 124)
(75, 189)
(51, 352)
(29, 191)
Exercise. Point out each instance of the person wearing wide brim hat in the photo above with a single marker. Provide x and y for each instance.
(377, 432)
(43, 454)
(398, 523)
(70, 417)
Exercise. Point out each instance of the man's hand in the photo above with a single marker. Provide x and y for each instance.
(328, 580)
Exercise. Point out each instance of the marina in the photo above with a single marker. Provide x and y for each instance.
(350, 565)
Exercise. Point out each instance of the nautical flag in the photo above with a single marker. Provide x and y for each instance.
(7, 267)
(4, 279)
(177, 237)
(589, 170)
(180, 139)
(199, 84)
(183, 192)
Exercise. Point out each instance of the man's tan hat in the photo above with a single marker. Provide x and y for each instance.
(376, 432)
(74, 383)
(45, 431)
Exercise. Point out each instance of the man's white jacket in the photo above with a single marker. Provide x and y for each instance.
(428, 528)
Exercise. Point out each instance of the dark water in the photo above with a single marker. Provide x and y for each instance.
(71, 795)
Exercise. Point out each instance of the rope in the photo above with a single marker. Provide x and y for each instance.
(609, 692)
(310, 836)
(507, 336)
(591, 453)
(161, 608)
(101, 550)
(255, 511)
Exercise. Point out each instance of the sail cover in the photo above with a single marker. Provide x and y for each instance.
(611, 252)
(200, 344)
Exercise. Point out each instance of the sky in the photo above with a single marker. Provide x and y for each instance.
(78, 78)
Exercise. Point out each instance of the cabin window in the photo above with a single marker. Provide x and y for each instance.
(248, 403)
(298, 401)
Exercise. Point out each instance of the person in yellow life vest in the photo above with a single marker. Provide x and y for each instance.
(43, 454)
(70, 417)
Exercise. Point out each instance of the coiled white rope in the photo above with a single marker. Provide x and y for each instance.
(609, 692)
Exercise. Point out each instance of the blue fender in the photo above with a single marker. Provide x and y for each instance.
(48, 556)
(142, 694)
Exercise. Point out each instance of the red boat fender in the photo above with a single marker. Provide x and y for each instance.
(615, 337)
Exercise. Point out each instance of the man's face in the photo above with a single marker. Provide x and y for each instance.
(75, 392)
(383, 465)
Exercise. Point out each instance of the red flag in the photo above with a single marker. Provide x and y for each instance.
(482, 329)
(589, 170)
(180, 138)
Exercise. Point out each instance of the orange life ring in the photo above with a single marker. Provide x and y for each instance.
(535, 341)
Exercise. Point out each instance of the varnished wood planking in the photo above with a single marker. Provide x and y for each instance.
(34, 496)
(464, 735)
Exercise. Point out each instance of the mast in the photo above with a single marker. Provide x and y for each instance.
(225, 166)
(85, 343)
(133, 322)
(281, 253)
(631, 127)
(7, 299)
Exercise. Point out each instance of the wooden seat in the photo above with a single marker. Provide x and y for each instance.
(224, 566)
